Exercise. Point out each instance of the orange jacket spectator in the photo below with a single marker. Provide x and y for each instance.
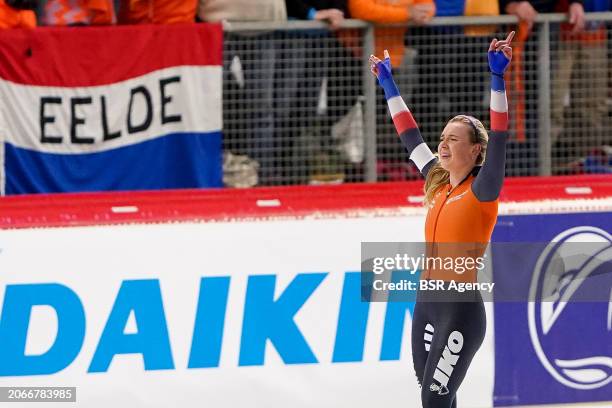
(157, 11)
(389, 12)
(80, 12)
(13, 18)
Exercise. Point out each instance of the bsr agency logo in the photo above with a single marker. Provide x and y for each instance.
(570, 308)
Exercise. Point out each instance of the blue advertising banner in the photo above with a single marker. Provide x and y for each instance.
(550, 347)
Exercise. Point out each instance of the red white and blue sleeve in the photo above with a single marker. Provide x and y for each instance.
(405, 124)
(489, 181)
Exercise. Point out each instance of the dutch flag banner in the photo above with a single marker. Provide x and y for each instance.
(111, 108)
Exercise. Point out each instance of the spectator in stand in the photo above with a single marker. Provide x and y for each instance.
(389, 12)
(249, 62)
(21, 15)
(527, 11)
(157, 11)
(442, 87)
(523, 76)
(581, 83)
(328, 78)
(391, 164)
(78, 12)
(330, 11)
(598, 161)
(213, 11)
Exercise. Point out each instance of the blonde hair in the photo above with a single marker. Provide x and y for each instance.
(437, 175)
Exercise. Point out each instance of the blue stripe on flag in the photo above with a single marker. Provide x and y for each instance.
(178, 160)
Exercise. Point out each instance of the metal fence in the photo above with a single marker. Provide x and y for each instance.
(301, 107)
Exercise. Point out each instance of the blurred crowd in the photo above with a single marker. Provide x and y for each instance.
(580, 70)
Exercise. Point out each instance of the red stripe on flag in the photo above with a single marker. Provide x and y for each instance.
(404, 121)
(92, 56)
(499, 121)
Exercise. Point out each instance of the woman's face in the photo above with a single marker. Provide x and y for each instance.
(457, 152)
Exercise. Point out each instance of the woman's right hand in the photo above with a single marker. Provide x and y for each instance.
(381, 69)
(421, 13)
(333, 17)
(524, 11)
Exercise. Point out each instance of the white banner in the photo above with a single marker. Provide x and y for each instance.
(100, 118)
(263, 313)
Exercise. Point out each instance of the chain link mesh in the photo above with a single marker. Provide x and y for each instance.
(580, 100)
(292, 105)
(294, 101)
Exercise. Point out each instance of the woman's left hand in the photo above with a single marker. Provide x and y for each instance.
(500, 54)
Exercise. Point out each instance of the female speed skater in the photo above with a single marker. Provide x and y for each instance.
(461, 193)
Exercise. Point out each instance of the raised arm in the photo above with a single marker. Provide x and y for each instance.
(405, 124)
(488, 183)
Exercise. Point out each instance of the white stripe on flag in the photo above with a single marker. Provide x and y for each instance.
(194, 93)
(499, 102)
(396, 105)
(421, 155)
